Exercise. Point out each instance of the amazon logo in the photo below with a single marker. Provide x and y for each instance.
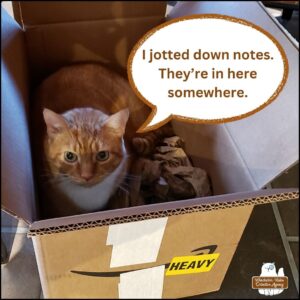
(184, 264)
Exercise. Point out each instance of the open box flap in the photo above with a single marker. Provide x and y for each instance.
(47, 12)
(53, 46)
(17, 189)
(268, 141)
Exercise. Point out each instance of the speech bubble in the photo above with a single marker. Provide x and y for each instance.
(206, 68)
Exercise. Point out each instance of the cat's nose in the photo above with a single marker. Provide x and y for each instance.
(86, 176)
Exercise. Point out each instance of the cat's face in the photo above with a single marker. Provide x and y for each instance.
(84, 145)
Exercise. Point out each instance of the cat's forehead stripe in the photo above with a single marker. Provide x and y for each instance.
(93, 145)
(79, 143)
(84, 143)
(76, 143)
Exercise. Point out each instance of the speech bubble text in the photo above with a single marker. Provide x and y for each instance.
(206, 69)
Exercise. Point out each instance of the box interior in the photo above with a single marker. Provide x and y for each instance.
(238, 156)
(254, 137)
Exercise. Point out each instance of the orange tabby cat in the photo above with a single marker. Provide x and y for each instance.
(82, 113)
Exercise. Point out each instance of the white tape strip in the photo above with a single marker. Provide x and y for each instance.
(135, 242)
(142, 284)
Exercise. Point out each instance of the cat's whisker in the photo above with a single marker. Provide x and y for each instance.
(53, 175)
(125, 184)
(132, 178)
(123, 189)
(55, 180)
(45, 175)
(132, 175)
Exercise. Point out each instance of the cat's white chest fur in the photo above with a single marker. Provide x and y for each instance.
(89, 199)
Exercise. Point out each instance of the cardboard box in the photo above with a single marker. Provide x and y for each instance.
(125, 252)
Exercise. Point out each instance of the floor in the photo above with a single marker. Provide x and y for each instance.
(262, 242)
(272, 234)
(20, 278)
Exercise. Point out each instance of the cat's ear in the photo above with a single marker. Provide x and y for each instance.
(118, 121)
(55, 122)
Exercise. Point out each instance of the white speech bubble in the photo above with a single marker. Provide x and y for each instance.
(187, 69)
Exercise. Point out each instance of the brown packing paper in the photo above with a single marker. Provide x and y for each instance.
(149, 170)
(178, 186)
(167, 174)
(173, 141)
(161, 188)
(195, 176)
(86, 250)
(172, 156)
(144, 143)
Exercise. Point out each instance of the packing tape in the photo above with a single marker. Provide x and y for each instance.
(136, 242)
(142, 284)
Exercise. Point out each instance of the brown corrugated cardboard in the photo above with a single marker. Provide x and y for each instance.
(73, 253)
(93, 255)
(147, 212)
(65, 11)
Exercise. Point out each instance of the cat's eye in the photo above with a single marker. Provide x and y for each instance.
(102, 155)
(70, 156)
